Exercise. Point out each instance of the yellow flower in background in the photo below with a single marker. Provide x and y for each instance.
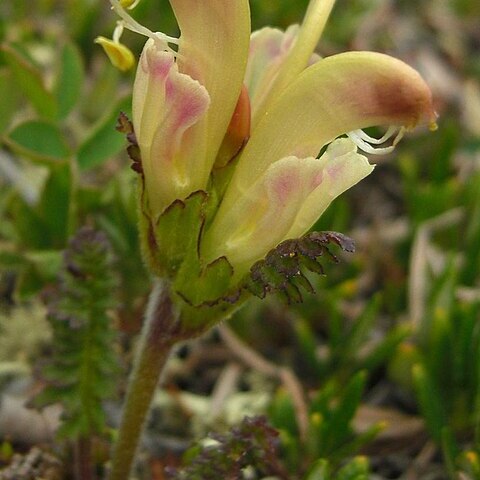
(120, 55)
(130, 4)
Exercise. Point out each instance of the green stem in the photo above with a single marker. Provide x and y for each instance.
(159, 334)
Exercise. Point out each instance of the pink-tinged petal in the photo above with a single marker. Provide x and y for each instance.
(268, 49)
(167, 108)
(213, 49)
(149, 91)
(336, 95)
(261, 217)
(283, 203)
(343, 168)
(299, 55)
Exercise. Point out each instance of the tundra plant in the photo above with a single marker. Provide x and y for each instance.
(226, 134)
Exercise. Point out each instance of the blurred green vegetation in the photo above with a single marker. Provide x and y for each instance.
(397, 324)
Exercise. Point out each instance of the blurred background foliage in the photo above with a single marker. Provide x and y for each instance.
(386, 354)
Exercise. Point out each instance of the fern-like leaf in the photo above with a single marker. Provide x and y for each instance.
(282, 270)
(81, 373)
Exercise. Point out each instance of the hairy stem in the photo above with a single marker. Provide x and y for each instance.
(160, 333)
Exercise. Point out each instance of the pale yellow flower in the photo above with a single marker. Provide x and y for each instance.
(198, 130)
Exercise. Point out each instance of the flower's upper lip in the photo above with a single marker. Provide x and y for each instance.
(338, 94)
(214, 44)
(299, 55)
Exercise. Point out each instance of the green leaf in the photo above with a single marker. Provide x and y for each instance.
(177, 234)
(104, 141)
(472, 237)
(8, 104)
(204, 285)
(319, 471)
(357, 469)
(177, 231)
(386, 348)
(33, 269)
(9, 260)
(107, 80)
(29, 228)
(338, 426)
(449, 450)
(70, 80)
(47, 262)
(363, 325)
(282, 413)
(39, 140)
(30, 82)
(430, 403)
(46, 225)
(308, 347)
(360, 440)
(55, 205)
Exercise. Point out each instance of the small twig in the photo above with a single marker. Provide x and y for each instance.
(225, 385)
(420, 462)
(288, 378)
(293, 385)
(246, 354)
(421, 259)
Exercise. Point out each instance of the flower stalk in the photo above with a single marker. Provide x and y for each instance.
(158, 337)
